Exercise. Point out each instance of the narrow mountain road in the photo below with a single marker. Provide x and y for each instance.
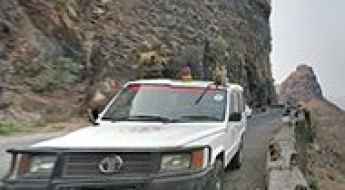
(249, 177)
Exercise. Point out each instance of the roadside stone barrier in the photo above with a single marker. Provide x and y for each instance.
(282, 171)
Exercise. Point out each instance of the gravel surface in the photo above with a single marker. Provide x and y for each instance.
(249, 177)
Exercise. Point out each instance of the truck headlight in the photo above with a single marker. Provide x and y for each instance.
(42, 164)
(38, 166)
(194, 160)
(173, 162)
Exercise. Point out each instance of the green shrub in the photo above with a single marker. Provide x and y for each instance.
(314, 183)
(56, 74)
(304, 133)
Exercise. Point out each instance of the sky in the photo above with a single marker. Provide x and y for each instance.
(310, 32)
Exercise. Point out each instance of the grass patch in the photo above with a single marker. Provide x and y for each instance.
(9, 128)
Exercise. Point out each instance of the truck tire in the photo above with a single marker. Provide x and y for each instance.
(217, 178)
(236, 162)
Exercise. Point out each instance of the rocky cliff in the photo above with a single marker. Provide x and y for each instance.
(56, 54)
(301, 85)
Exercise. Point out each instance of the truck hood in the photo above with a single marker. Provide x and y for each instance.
(129, 135)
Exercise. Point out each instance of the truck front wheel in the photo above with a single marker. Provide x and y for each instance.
(217, 178)
(236, 163)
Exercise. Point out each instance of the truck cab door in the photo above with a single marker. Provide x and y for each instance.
(236, 122)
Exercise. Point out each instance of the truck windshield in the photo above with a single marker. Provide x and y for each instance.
(165, 103)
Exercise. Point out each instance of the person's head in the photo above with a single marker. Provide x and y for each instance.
(186, 73)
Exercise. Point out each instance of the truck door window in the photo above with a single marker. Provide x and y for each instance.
(235, 110)
(232, 105)
(236, 103)
(240, 102)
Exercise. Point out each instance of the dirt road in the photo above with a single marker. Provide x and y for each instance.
(252, 174)
(249, 177)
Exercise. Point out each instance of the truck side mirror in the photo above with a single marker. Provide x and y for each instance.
(235, 117)
(93, 115)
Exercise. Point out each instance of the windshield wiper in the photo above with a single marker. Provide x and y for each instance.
(151, 118)
(142, 118)
(197, 101)
(199, 117)
(113, 119)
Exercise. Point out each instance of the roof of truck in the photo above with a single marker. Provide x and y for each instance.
(193, 83)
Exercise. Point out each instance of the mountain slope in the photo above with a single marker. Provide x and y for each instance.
(55, 55)
(326, 156)
(326, 153)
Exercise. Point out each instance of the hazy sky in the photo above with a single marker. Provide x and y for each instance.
(311, 32)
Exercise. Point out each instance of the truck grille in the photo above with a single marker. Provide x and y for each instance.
(106, 188)
(87, 164)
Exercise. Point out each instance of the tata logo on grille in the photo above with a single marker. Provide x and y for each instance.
(110, 164)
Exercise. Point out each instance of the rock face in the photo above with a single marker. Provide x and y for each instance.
(301, 85)
(50, 50)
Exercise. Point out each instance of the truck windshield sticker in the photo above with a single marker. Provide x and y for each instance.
(218, 98)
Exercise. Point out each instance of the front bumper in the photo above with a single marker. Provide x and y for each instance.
(196, 181)
(154, 181)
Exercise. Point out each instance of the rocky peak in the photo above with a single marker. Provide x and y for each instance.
(301, 85)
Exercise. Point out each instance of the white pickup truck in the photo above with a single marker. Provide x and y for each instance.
(153, 135)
